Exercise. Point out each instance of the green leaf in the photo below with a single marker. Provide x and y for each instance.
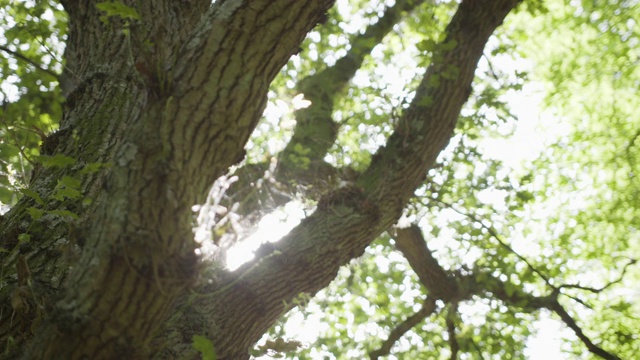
(93, 167)
(34, 195)
(451, 72)
(302, 162)
(6, 195)
(524, 196)
(64, 214)
(35, 213)
(299, 149)
(509, 288)
(427, 45)
(449, 45)
(24, 238)
(204, 346)
(67, 193)
(112, 8)
(69, 182)
(58, 160)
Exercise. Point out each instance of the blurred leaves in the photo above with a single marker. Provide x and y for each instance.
(204, 347)
(32, 38)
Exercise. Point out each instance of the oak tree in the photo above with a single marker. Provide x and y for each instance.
(152, 122)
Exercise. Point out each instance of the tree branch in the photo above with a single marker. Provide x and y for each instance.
(451, 330)
(609, 284)
(428, 308)
(571, 323)
(411, 243)
(515, 296)
(220, 87)
(29, 61)
(181, 127)
(413, 247)
(315, 128)
(348, 219)
(494, 233)
(509, 293)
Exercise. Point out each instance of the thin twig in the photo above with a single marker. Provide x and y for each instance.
(428, 308)
(26, 59)
(598, 290)
(494, 233)
(451, 330)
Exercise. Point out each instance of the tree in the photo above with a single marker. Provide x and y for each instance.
(157, 101)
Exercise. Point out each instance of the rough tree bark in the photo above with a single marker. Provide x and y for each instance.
(166, 104)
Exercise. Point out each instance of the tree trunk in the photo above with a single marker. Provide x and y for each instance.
(156, 110)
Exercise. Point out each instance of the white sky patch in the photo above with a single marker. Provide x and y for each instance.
(271, 228)
(299, 102)
(306, 330)
(529, 138)
(547, 342)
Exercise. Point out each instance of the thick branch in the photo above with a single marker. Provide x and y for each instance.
(315, 128)
(221, 82)
(414, 248)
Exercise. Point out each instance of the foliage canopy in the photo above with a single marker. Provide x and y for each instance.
(486, 245)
